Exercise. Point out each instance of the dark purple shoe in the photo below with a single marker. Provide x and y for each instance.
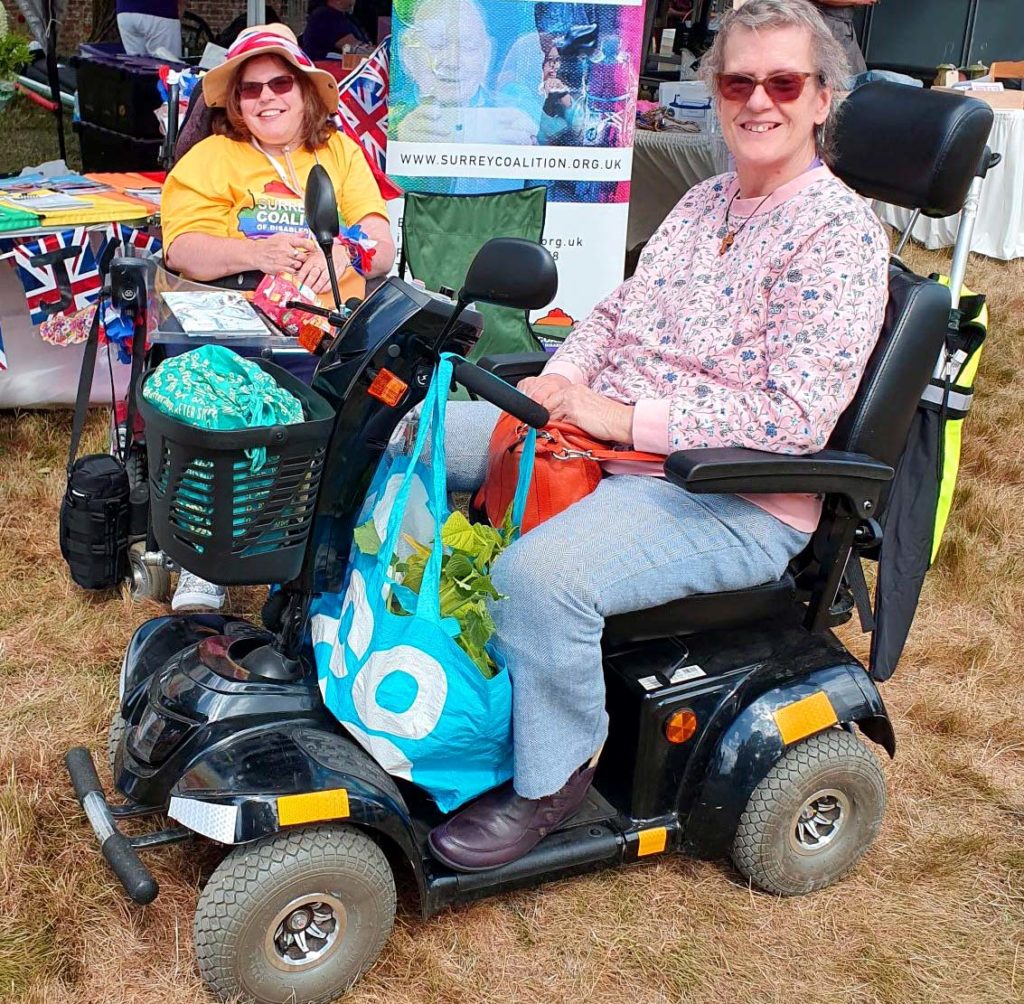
(501, 826)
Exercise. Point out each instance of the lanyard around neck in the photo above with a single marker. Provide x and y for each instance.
(289, 180)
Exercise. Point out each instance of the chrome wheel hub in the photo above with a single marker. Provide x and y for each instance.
(306, 932)
(820, 820)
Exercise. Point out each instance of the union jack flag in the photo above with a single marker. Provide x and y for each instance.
(132, 237)
(363, 104)
(58, 272)
(3, 355)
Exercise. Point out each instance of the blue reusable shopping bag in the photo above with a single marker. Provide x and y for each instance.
(399, 683)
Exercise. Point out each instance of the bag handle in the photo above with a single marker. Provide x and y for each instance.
(85, 384)
(442, 377)
(428, 602)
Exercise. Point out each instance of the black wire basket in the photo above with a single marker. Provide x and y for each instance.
(215, 516)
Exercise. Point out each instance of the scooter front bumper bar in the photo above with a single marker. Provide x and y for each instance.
(119, 850)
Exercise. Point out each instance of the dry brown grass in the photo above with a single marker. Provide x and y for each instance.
(935, 912)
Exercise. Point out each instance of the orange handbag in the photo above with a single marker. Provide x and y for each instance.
(566, 468)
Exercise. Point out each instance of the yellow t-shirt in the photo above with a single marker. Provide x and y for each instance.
(226, 188)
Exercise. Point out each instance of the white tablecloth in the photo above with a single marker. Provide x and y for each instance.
(665, 166)
(999, 231)
(40, 375)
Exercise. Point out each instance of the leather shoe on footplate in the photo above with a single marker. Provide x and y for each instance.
(501, 826)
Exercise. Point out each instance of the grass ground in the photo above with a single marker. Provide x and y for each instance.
(935, 911)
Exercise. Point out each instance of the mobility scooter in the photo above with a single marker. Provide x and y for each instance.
(734, 717)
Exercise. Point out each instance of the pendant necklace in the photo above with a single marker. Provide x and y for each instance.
(730, 235)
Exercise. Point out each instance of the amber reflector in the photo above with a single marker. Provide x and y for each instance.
(388, 388)
(681, 726)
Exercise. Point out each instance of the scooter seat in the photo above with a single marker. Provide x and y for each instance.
(703, 612)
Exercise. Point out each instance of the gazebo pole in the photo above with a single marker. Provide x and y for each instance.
(52, 75)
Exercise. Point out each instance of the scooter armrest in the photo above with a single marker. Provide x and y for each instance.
(734, 471)
(515, 366)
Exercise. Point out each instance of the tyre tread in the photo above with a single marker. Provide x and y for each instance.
(241, 877)
(749, 850)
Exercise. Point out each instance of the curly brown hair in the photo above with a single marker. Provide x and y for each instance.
(317, 126)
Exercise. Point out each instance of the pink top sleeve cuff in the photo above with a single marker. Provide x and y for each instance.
(563, 368)
(650, 426)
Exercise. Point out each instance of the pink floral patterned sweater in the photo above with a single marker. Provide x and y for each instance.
(762, 347)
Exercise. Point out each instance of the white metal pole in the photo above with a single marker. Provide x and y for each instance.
(255, 11)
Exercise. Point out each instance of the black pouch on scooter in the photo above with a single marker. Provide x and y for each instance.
(95, 511)
(94, 521)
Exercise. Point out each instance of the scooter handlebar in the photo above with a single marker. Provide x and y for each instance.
(492, 388)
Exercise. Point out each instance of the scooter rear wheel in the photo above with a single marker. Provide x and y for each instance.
(812, 816)
(296, 917)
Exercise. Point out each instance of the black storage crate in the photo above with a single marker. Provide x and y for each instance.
(213, 515)
(119, 92)
(106, 150)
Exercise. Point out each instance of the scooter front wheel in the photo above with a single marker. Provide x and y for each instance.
(296, 917)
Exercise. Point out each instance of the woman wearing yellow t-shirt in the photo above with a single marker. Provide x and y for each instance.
(234, 203)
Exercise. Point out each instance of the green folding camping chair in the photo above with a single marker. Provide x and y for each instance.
(442, 233)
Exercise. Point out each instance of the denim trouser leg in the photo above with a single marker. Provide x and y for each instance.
(634, 543)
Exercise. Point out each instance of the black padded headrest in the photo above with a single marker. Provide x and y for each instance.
(915, 148)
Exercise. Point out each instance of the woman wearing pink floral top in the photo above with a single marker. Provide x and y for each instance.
(748, 323)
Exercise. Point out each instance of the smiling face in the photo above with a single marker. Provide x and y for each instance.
(274, 119)
(772, 142)
(447, 51)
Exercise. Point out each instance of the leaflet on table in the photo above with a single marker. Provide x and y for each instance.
(214, 313)
(44, 199)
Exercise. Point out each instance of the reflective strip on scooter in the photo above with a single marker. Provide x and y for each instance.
(218, 822)
(805, 717)
(312, 806)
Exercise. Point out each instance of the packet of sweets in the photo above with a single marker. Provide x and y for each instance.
(272, 296)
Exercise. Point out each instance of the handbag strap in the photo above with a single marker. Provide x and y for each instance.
(85, 384)
(138, 357)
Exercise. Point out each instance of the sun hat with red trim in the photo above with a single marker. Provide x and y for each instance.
(267, 40)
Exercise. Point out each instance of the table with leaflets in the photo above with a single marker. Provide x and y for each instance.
(53, 229)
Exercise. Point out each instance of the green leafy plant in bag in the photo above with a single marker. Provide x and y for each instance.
(470, 550)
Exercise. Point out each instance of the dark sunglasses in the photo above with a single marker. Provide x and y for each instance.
(251, 89)
(780, 87)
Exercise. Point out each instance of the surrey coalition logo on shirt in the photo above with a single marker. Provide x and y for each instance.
(278, 210)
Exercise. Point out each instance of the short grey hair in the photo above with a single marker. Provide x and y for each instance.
(831, 64)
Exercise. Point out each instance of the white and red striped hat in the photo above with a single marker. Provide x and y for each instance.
(267, 40)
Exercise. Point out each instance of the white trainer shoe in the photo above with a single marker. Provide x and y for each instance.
(194, 593)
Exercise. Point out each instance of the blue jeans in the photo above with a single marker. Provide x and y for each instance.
(634, 543)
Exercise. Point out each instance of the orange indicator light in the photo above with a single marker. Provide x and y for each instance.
(388, 388)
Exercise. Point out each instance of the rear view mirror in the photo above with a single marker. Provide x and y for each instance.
(511, 272)
(321, 206)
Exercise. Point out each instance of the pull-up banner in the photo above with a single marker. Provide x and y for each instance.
(491, 95)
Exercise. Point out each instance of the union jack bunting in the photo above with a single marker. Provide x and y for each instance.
(58, 272)
(132, 237)
(363, 104)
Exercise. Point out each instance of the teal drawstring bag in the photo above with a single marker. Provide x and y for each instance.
(212, 387)
(399, 682)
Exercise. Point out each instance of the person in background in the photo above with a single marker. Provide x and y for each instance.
(233, 206)
(150, 27)
(331, 26)
(838, 15)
